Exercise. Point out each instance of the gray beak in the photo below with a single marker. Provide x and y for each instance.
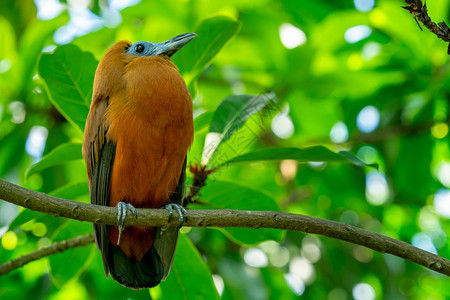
(171, 46)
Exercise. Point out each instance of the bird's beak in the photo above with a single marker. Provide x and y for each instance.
(171, 46)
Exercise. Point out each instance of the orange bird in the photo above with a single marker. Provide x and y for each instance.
(137, 135)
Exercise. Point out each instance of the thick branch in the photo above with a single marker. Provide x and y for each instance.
(46, 251)
(225, 218)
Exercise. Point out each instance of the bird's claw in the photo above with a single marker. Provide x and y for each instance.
(122, 215)
(182, 213)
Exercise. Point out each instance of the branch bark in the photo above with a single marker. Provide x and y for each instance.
(420, 13)
(46, 251)
(224, 218)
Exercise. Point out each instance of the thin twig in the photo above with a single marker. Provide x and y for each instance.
(200, 174)
(46, 251)
(420, 13)
(224, 218)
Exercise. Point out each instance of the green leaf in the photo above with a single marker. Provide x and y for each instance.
(71, 191)
(229, 116)
(12, 149)
(71, 263)
(316, 153)
(202, 120)
(8, 50)
(222, 195)
(35, 37)
(213, 34)
(189, 277)
(69, 75)
(52, 223)
(24, 216)
(59, 155)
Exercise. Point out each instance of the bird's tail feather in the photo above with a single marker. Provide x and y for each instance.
(133, 274)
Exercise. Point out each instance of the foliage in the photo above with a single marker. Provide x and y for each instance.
(306, 147)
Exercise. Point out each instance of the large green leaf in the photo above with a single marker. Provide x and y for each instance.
(213, 34)
(69, 75)
(202, 120)
(71, 263)
(222, 195)
(59, 155)
(313, 154)
(229, 116)
(189, 277)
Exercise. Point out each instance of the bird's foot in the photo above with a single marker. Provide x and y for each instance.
(122, 215)
(182, 213)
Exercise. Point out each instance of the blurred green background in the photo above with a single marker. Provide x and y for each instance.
(354, 75)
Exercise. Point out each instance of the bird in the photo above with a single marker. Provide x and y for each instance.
(137, 134)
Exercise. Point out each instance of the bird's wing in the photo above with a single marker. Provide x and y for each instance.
(98, 153)
(166, 238)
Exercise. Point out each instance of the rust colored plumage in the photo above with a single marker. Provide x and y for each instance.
(137, 134)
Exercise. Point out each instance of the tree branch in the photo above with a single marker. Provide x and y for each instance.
(224, 218)
(46, 251)
(420, 13)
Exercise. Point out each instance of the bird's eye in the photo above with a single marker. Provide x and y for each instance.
(139, 48)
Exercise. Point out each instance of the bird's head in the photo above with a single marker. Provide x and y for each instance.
(167, 48)
(124, 56)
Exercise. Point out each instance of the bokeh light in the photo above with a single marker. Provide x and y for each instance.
(363, 291)
(295, 283)
(255, 257)
(443, 173)
(439, 130)
(9, 240)
(39, 230)
(441, 203)
(367, 154)
(288, 169)
(364, 5)
(428, 219)
(17, 110)
(291, 36)
(377, 190)
(368, 119)
(370, 50)
(35, 143)
(5, 65)
(339, 132)
(48, 9)
(311, 251)
(82, 20)
(282, 125)
(423, 241)
(357, 33)
(219, 284)
(279, 257)
(302, 268)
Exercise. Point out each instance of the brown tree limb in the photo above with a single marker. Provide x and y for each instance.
(225, 218)
(46, 251)
(420, 13)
